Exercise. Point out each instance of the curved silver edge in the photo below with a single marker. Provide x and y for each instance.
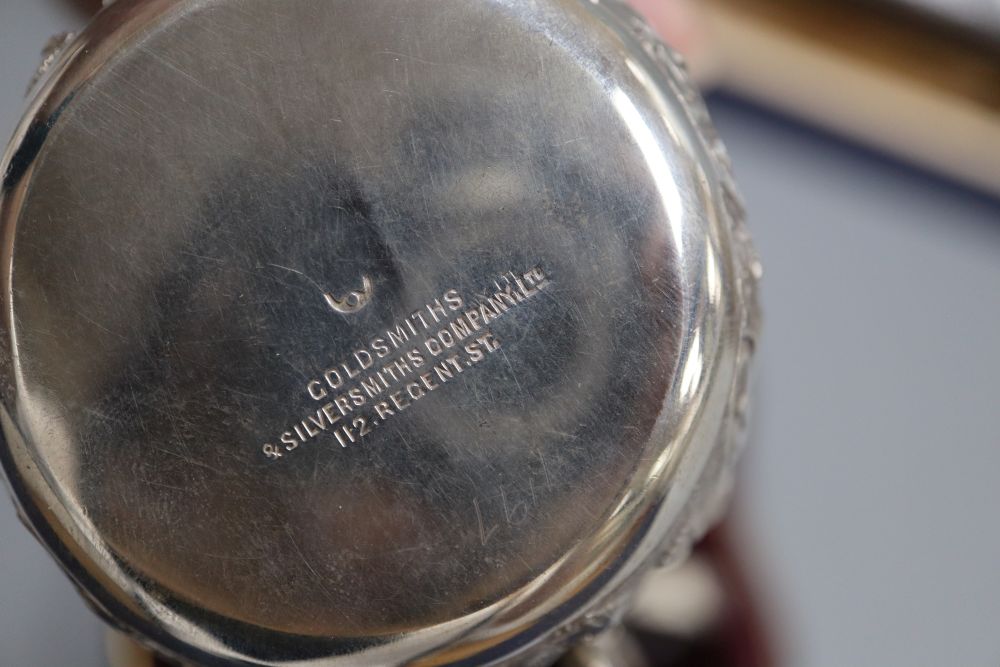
(708, 504)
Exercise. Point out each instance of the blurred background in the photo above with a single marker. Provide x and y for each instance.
(866, 137)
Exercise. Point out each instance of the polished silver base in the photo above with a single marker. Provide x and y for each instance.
(370, 332)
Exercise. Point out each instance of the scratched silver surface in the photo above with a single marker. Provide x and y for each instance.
(368, 332)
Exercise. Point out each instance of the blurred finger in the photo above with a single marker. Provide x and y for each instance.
(675, 20)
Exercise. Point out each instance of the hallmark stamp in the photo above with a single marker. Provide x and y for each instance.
(354, 301)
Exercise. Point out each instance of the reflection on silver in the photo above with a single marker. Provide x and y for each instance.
(614, 648)
(389, 333)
